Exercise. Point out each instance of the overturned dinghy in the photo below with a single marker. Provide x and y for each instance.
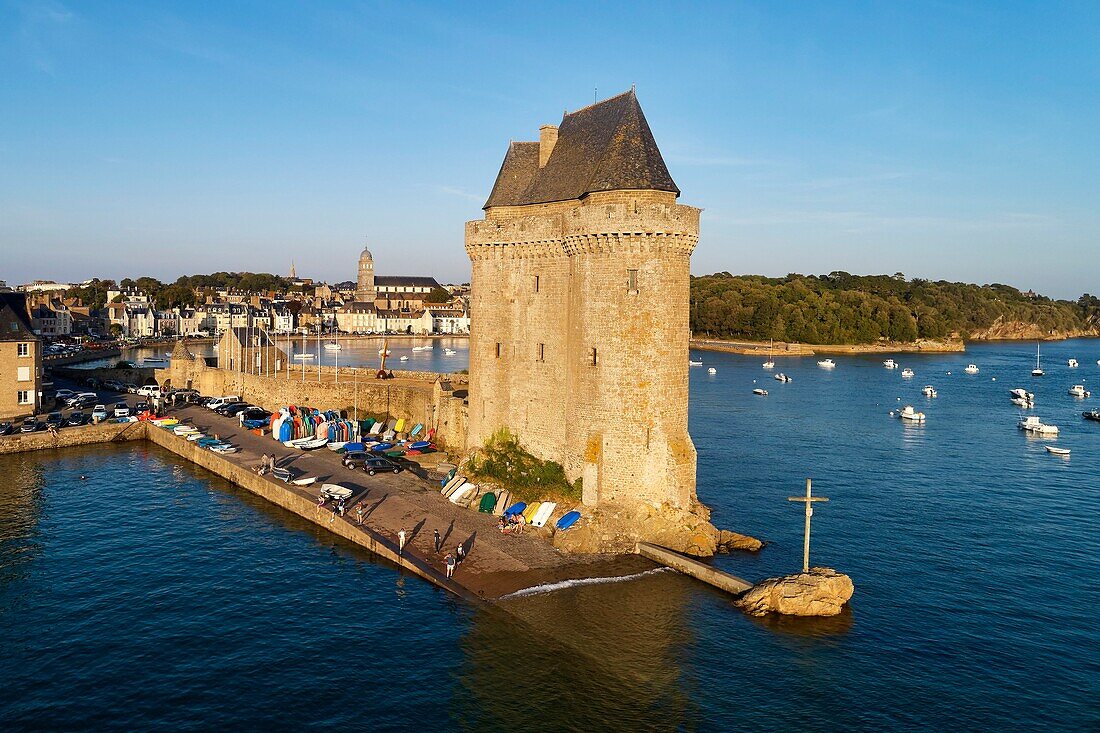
(335, 491)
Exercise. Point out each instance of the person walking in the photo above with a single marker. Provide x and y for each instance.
(240, 418)
(460, 552)
(359, 512)
(401, 542)
(449, 561)
(438, 542)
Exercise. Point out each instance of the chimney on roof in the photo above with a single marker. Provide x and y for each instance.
(548, 138)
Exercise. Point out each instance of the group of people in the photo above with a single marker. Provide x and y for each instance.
(267, 463)
(511, 524)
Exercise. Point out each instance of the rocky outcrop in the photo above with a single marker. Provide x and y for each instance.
(1004, 330)
(820, 592)
(728, 541)
(618, 529)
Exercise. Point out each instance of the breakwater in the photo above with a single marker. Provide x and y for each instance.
(68, 437)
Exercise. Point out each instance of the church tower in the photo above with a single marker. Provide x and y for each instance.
(365, 291)
(579, 310)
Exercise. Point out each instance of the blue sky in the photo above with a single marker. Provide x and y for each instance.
(940, 140)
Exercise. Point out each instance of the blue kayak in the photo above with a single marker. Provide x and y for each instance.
(515, 509)
(568, 520)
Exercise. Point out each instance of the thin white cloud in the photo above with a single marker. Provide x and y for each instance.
(452, 191)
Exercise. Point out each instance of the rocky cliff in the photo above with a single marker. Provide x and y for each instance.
(1005, 330)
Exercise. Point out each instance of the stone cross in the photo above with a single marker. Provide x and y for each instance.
(809, 500)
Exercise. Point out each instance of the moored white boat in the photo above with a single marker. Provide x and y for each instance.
(929, 391)
(1057, 451)
(827, 364)
(694, 363)
(404, 358)
(1038, 370)
(760, 391)
(890, 364)
(712, 370)
(307, 481)
(907, 373)
(332, 346)
(909, 414)
(449, 352)
(781, 377)
(1078, 390)
(1072, 364)
(971, 369)
(1033, 424)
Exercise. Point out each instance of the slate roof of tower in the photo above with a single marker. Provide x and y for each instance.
(605, 147)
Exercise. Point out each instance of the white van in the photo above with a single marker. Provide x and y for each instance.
(149, 390)
(220, 401)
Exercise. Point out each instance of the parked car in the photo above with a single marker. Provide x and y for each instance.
(6, 428)
(142, 407)
(256, 413)
(84, 403)
(217, 402)
(355, 459)
(56, 419)
(233, 408)
(31, 425)
(122, 410)
(63, 395)
(77, 418)
(99, 412)
(148, 390)
(114, 385)
(374, 464)
(131, 388)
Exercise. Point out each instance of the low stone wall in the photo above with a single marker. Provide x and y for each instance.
(299, 505)
(421, 401)
(66, 437)
(52, 361)
(137, 375)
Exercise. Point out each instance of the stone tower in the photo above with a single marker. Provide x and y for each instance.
(579, 311)
(365, 291)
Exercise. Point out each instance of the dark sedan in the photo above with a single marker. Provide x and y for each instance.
(77, 418)
(55, 419)
(232, 408)
(6, 428)
(256, 413)
(31, 425)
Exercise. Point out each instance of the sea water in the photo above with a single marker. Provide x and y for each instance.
(154, 595)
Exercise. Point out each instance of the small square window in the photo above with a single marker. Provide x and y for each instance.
(23, 374)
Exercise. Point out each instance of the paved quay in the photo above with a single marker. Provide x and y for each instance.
(495, 565)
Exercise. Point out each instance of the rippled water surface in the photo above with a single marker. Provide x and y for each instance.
(153, 595)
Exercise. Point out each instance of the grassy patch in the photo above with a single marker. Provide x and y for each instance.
(505, 462)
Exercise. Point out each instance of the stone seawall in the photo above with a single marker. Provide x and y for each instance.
(54, 361)
(299, 505)
(66, 437)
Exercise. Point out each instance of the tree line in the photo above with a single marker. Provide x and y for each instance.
(186, 291)
(841, 308)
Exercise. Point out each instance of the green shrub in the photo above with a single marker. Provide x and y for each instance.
(505, 462)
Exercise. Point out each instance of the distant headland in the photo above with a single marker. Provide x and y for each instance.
(840, 312)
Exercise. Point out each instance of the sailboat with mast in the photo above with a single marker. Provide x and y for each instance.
(770, 363)
(1038, 370)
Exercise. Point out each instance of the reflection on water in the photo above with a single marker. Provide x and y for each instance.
(593, 658)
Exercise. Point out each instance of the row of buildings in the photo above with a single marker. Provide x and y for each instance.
(384, 304)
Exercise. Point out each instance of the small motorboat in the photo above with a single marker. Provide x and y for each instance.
(929, 391)
(305, 355)
(310, 443)
(1078, 390)
(449, 352)
(336, 445)
(761, 392)
(1057, 451)
(1091, 415)
(692, 362)
(1022, 394)
(909, 414)
(890, 364)
(335, 491)
(308, 481)
(404, 358)
(332, 346)
(781, 377)
(712, 370)
(907, 373)
(971, 369)
(1032, 424)
(769, 364)
(827, 364)
(1019, 402)
(384, 352)
(224, 448)
(1072, 364)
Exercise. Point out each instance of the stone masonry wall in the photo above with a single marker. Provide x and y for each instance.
(621, 422)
